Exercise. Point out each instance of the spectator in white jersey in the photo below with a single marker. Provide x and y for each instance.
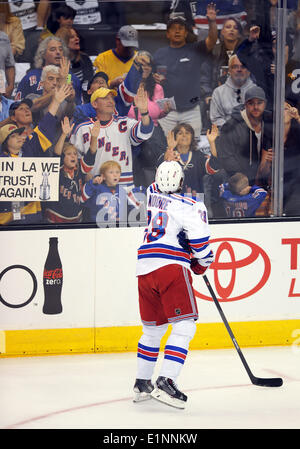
(118, 135)
(33, 16)
(175, 242)
(87, 13)
(61, 17)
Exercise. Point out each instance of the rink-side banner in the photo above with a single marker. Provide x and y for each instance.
(66, 282)
(29, 179)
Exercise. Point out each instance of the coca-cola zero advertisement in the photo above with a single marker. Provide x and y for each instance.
(52, 280)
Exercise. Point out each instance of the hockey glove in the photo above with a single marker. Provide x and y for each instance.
(196, 267)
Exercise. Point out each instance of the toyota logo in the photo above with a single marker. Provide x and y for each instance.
(233, 265)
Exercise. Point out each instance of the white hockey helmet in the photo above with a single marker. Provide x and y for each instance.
(169, 177)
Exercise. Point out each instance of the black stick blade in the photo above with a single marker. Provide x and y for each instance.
(269, 382)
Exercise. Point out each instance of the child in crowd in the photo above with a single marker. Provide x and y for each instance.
(106, 200)
(239, 199)
(15, 144)
(68, 208)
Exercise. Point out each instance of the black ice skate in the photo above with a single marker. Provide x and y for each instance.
(166, 391)
(142, 389)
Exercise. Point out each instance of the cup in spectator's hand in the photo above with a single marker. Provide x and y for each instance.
(161, 73)
(141, 58)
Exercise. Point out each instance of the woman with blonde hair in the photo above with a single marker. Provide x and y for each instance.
(81, 64)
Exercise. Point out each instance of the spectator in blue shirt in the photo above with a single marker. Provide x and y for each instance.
(5, 104)
(241, 200)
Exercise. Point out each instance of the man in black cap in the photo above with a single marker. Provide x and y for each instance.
(117, 61)
(245, 135)
(179, 71)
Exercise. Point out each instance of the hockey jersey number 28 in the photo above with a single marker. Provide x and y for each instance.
(177, 230)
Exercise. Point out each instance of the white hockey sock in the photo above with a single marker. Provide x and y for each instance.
(148, 350)
(176, 348)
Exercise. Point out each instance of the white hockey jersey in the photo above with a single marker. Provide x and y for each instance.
(114, 143)
(87, 11)
(177, 230)
(25, 11)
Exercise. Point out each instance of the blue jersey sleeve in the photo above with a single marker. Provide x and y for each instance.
(42, 137)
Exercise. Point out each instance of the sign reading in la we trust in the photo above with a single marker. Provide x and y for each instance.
(29, 179)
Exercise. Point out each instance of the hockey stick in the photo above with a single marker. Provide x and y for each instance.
(262, 382)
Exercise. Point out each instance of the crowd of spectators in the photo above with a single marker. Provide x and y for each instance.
(204, 98)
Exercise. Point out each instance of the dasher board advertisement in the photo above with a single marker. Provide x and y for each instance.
(47, 279)
(255, 276)
(29, 179)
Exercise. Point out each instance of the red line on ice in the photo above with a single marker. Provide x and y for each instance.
(110, 401)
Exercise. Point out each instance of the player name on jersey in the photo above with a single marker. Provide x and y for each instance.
(159, 202)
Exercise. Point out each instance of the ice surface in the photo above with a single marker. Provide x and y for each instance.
(94, 391)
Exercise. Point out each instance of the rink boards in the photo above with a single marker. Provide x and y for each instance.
(255, 276)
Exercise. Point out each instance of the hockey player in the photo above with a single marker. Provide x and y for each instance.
(176, 240)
